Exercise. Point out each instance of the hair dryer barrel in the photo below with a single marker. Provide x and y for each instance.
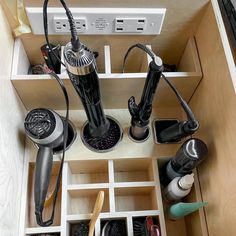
(81, 68)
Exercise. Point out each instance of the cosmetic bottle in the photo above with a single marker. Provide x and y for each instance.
(181, 209)
(191, 154)
(179, 187)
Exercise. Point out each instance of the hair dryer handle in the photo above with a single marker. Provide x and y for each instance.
(42, 179)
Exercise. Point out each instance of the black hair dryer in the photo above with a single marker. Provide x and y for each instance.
(139, 130)
(46, 129)
(101, 133)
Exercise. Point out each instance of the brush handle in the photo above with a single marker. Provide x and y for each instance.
(96, 211)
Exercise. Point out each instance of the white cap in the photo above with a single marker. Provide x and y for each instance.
(186, 181)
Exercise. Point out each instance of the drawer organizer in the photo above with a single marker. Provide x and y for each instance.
(132, 189)
(43, 91)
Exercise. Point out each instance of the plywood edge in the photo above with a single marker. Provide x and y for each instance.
(190, 60)
(200, 199)
(159, 198)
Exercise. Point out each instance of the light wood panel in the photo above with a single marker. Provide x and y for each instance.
(11, 138)
(43, 91)
(214, 104)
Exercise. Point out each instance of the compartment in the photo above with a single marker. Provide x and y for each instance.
(133, 170)
(88, 172)
(30, 217)
(82, 201)
(184, 226)
(135, 199)
(43, 91)
(118, 225)
(140, 225)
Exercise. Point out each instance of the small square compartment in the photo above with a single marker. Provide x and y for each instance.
(117, 223)
(161, 124)
(140, 222)
(88, 172)
(135, 199)
(79, 228)
(83, 201)
(130, 170)
(31, 219)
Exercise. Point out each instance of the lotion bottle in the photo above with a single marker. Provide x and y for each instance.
(179, 187)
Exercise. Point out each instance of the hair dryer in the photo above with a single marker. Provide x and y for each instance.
(46, 129)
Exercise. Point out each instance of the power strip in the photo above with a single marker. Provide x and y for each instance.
(140, 21)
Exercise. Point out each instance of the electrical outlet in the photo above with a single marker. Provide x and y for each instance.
(99, 21)
(61, 24)
(130, 25)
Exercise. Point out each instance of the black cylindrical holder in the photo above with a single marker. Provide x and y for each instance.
(139, 130)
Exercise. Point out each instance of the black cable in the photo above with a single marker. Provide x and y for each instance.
(65, 136)
(45, 26)
(184, 104)
(142, 47)
(65, 128)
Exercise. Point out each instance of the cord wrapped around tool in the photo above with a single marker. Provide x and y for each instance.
(141, 113)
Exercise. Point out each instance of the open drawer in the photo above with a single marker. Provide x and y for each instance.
(127, 198)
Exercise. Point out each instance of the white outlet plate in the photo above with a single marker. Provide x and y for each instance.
(101, 20)
(61, 24)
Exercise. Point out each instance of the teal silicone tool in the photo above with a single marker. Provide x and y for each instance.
(182, 209)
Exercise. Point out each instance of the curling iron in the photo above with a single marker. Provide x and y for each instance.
(140, 114)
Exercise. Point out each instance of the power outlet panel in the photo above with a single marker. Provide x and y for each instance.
(61, 24)
(98, 21)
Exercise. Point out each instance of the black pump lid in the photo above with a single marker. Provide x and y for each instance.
(195, 148)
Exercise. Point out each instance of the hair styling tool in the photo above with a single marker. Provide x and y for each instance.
(96, 211)
(50, 58)
(50, 132)
(141, 113)
(100, 133)
(46, 129)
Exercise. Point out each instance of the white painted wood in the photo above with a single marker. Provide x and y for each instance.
(135, 184)
(129, 222)
(87, 186)
(21, 62)
(111, 215)
(64, 200)
(107, 59)
(11, 138)
(39, 230)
